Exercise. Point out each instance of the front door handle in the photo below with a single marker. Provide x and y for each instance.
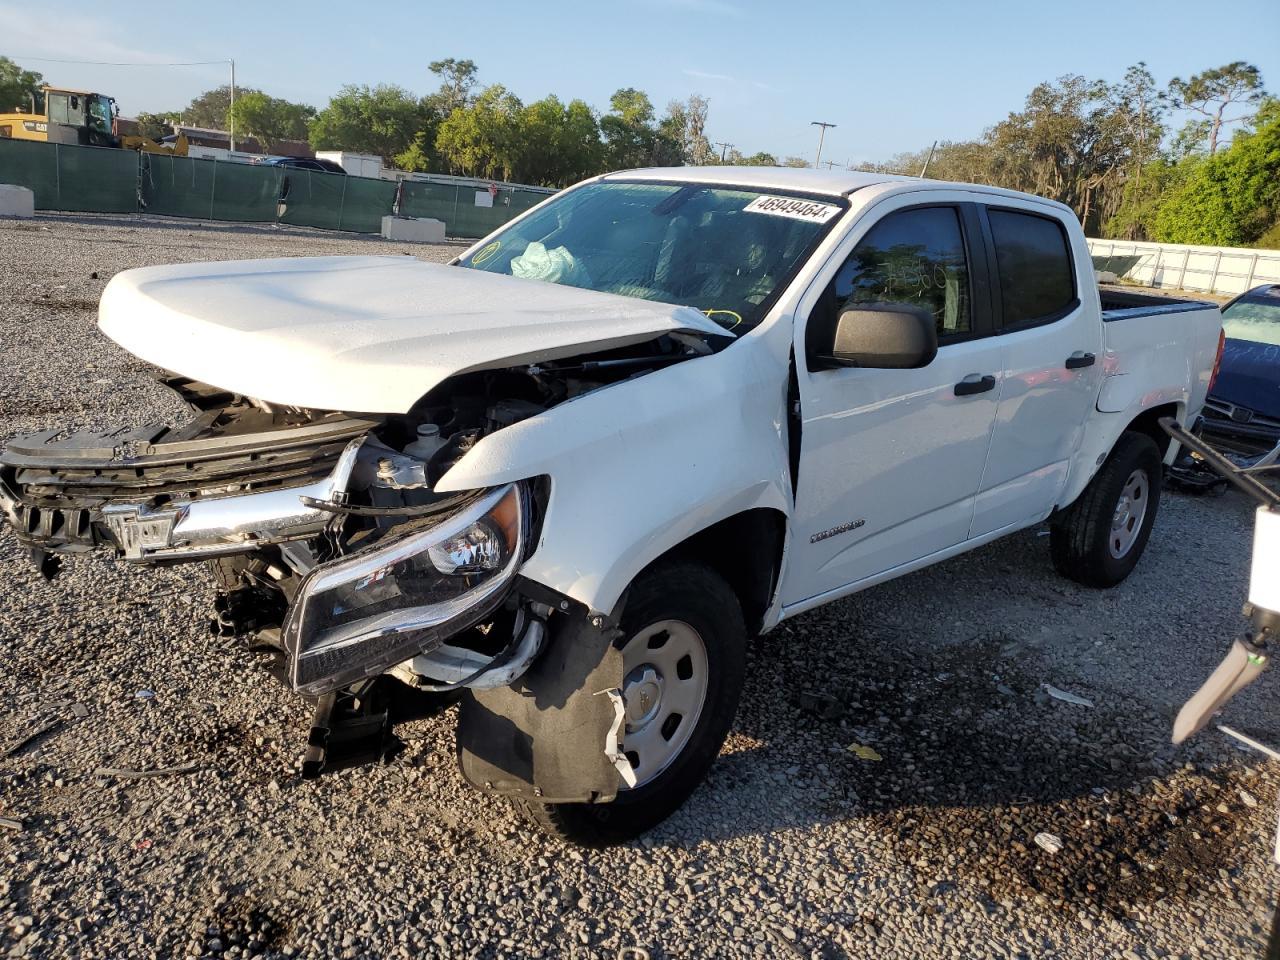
(1080, 359)
(975, 383)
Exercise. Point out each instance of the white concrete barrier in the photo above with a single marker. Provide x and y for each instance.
(16, 201)
(413, 229)
(1223, 270)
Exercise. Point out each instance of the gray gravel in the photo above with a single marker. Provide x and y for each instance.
(795, 847)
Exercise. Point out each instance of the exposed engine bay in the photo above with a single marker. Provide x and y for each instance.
(326, 538)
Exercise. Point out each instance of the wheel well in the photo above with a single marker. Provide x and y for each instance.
(745, 549)
(1148, 422)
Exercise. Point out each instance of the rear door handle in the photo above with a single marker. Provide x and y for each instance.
(975, 383)
(1080, 359)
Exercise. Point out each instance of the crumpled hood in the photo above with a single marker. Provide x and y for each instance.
(366, 334)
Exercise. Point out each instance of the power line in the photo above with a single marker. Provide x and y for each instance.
(112, 63)
(724, 148)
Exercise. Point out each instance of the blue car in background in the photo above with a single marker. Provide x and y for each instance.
(1243, 409)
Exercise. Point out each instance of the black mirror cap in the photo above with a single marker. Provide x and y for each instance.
(892, 336)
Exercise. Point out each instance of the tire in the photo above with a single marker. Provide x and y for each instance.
(1085, 542)
(681, 594)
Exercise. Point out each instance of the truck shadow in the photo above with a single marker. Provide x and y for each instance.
(970, 759)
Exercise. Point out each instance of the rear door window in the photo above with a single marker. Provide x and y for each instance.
(1033, 260)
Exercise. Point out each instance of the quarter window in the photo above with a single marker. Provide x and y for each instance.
(916, 257)
(1034, 263)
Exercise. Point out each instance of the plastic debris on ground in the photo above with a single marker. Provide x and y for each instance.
(1048, 842)
(1064, 696)
(863, 752)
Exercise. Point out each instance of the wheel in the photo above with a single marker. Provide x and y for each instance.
(683, 645)
(1099, 539)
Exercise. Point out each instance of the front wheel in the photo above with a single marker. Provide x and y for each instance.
(1099, 539)
(683, 645)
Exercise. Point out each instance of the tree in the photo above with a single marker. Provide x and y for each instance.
(685, 128)
(457, 79)
(482, 140)
(380, 120)
(1139, 108)
(211, 108)
(153, 126)
(696, 109)
(1213, 92)
(558, 144)
(760, 159)
(1229, 198)
(270, 120)
(627, 129)
(19, 89)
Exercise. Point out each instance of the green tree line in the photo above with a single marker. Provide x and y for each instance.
(1110, 152)
(1195, 160)
(461, 127)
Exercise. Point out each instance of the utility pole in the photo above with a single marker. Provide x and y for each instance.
(831, 164)
(822, 133)
(928, 160)
(231, 111)
(724, 148)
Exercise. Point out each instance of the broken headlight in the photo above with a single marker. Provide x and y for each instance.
(358, 616)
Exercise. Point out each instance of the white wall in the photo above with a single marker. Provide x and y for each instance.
(1225, 270)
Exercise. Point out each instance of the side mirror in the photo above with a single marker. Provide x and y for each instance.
(893, 336)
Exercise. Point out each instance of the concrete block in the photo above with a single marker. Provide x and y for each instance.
(413, 229)
(18, 201)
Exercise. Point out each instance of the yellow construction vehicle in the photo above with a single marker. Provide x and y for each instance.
(70, 116)
(81, 117)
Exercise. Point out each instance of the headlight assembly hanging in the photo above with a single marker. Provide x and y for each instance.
(360, 615)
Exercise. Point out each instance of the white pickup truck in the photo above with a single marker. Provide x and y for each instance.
(562, 480)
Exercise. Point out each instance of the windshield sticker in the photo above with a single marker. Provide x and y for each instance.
(793, 208)
(486, 253)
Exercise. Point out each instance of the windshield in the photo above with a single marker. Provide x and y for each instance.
(727, 252)
(100, 113)
(1254, 317)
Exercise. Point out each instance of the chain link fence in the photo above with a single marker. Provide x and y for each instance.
(80, 179)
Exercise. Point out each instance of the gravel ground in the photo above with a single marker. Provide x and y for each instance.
(795, 847)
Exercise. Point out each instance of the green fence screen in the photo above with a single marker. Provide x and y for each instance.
(102, 180)
(455, 204)
(208, 190)
(66, 177)
(335, 202)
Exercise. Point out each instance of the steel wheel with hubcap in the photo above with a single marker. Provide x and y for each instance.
(1130, 511)
(664, 686)
(683, 649)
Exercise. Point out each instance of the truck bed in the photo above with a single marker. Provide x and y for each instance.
(1123, 303)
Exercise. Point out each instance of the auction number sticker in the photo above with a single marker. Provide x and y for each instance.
(794, 208)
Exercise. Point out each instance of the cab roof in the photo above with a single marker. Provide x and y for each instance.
(801, 179)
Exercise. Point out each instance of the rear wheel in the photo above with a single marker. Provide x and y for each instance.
(1100, 538)
(683, 644)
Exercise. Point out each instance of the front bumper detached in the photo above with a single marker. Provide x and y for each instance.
(174, 501)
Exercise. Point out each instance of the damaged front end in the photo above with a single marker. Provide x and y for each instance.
(333, 553)
(322, 529)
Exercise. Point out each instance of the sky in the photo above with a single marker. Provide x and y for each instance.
(892, 76)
